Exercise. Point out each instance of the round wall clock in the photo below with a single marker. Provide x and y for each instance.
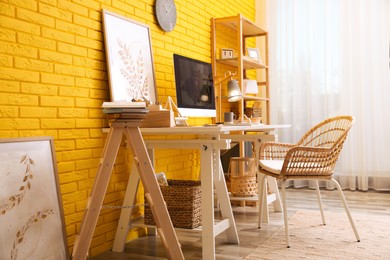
(166, 14)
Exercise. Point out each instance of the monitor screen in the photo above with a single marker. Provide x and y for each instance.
(194, 87)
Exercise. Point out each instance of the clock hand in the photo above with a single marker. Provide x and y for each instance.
(169, 8)
(166, 11)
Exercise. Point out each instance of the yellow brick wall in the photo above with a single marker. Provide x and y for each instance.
(53, 81)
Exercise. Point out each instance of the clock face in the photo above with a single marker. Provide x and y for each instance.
(166, 14)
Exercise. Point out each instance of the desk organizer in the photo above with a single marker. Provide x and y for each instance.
(183, 199)
(242, 174)
(159, 118)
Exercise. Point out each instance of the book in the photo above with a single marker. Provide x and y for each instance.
(125, 115)
(123, 104)
(121, 110)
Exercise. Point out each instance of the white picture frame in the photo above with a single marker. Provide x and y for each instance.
(31, 213)
(129, 59)
(254, 54)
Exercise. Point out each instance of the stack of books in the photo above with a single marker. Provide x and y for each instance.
(125, 110)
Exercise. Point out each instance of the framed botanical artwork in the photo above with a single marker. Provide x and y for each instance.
(129, 59)
(31, 214)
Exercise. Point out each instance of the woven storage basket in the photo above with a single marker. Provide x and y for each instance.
(256, 109)
(183, 200)
(242, 172)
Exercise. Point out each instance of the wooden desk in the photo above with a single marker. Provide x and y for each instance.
(209, 140)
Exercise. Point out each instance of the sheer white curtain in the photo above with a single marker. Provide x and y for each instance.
(329, 58)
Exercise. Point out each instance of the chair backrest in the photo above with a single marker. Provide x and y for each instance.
(304, 161)
(327, 133)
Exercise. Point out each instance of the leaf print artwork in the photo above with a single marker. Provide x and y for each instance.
(129, 59)
(21, 237)
(15, 199)
(133, 70)
(32, 224)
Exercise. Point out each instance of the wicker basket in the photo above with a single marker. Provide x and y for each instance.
(256, 109)
(242, 172)
(183, 200)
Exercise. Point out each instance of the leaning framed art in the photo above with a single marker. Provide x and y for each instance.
(129, 59)
(254, 53)
(31, 213)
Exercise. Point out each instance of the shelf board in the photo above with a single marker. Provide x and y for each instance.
(140, 224)
(249, 63)
(220, 225)
(270, 198)
(249, 29)
(249, 98)
(254, 98)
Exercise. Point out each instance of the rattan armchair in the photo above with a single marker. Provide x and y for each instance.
(313, 158)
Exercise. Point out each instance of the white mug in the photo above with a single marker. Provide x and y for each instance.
(229, 117)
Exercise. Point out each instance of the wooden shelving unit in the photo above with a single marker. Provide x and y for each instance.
(233, 32)
(238, 33)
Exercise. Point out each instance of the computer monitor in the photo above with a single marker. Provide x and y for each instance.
(194, 87)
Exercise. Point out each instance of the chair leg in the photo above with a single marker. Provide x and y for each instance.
(273, 188)
(320, 202)
(346, 209)
(262, 192)
(285, 213)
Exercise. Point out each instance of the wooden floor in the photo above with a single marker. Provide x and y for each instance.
(150, 247)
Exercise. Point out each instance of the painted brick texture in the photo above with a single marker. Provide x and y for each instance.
(53, 81)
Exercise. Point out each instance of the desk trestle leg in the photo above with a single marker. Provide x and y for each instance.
(95, 201)
(154, 195)
(152, 189)
(158, 225)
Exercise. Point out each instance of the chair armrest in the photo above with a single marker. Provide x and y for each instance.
(274, 150)
(308, 160)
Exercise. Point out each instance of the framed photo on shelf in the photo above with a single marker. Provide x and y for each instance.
(31, 213)
(254, 53)
(129, 59)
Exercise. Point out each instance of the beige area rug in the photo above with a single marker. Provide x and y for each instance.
(309, 239)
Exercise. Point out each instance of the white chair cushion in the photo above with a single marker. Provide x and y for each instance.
(274, 166)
